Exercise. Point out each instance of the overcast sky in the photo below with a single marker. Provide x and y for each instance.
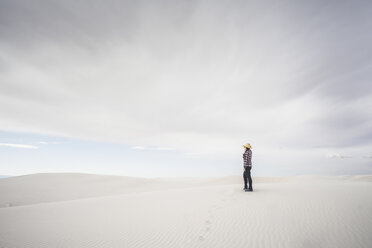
(191, 81)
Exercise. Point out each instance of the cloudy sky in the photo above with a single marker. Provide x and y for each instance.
(175, 88)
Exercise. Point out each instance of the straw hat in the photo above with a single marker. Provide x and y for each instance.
(247, 145)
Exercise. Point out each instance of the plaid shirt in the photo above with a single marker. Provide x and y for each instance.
(247, 157)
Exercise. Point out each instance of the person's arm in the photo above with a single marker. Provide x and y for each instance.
(249, 158)
(245, 159)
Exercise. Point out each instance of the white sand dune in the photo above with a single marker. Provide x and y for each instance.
(79, 210)
(51, 187)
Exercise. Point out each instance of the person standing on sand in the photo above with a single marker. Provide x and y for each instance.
(247, 158)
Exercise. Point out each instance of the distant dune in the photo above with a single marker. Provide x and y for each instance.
(48, 187)
(84, 210)
(51, 187)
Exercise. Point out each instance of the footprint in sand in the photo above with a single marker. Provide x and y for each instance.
(207, 228)
(207, 223)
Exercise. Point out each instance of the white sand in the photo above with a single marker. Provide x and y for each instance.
(80, 210)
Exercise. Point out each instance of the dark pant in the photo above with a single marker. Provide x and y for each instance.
(247, 177)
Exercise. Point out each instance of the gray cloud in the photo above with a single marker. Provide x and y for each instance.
(193, 75)
(336, 155)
